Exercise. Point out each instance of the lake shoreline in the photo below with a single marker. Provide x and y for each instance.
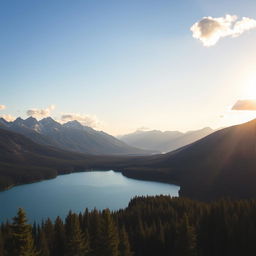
(77, 191)
(123, 172)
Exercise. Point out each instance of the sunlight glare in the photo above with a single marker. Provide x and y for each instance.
(250, 91)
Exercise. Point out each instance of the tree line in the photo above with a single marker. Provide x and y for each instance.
(158, 225)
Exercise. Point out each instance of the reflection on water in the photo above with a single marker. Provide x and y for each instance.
(76, 192)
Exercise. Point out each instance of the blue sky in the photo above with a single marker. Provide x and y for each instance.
(126, 63)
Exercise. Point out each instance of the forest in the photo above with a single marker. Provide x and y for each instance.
(158, 225)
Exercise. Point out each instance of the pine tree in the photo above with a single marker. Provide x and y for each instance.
(35, 233)
(48, 229)
(1, 244)
(109, 235)
(186, 239)
(43, 244)
(124, 244)
(94, 228)
(59, 238)
(23, 243)
(85, 220)
(77, 243)
(7, 239)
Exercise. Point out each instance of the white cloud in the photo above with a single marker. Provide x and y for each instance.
(2, 107)
(248, 105)
(210, 30)
(87, 120)
(40, 113)
(8, 118)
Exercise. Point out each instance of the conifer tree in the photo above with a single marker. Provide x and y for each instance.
(85, 220)
(59, 238)
(48, 229)
(1, 244)
(109, 235)
(77, 243)
(186, 240)
(7, 239)
(35, 233)
(43, 244)
(124, 244)
(22, 241)
(94, 230)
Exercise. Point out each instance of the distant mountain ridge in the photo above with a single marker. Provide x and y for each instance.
(163, 141)
(222, 164)
(71, 136)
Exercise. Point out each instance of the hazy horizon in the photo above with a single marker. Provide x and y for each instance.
(118, 66)
(140, 129)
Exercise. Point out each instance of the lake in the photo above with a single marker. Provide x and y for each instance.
(77, 191)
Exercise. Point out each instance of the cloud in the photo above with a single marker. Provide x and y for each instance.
(210, 30)
(8, 118)
(245, 105)
(143, 129)
(40, 113)
(2, 107)
(87, 120)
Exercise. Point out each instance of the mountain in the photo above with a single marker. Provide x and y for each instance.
(3, 122)
(223, 164)
(30, 128)
(163, 141)
(23, 161)
(71, 136)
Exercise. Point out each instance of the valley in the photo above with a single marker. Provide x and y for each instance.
(220, 165)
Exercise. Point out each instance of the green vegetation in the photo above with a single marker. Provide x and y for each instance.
(20, 237)
(158, 225)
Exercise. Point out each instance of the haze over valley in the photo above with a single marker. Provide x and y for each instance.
(163, 141)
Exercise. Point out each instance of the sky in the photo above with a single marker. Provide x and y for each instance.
(120, 65)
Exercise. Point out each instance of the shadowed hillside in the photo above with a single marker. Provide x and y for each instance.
(71, 136)
(219, 165)
(24, 161)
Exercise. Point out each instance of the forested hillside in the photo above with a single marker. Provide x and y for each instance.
(149, 226)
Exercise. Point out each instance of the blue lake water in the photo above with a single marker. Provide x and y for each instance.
(76, 192)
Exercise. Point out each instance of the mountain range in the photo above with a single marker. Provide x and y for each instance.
(163, 141)
(222, 164)
(71, 136)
